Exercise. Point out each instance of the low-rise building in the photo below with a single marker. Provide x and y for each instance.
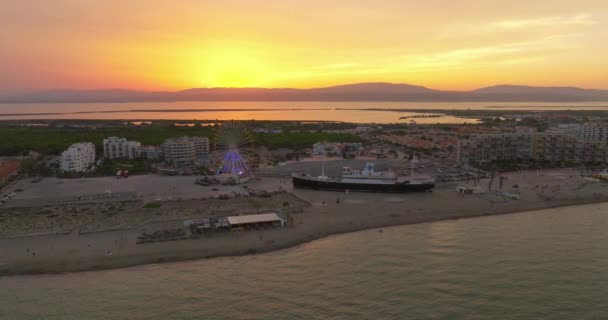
(591, 151)
(360, 129)
(326, 148)
(566, 128)
(267, 130)
(336, 148)
(532, 146)
(185, 150)
(594, 132)
(8, 169)
(79, 157)
(120, 148)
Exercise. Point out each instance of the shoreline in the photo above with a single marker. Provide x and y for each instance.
(325, 216)
(135, 261)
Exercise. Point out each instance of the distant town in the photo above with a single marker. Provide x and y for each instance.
(507, 141)
(277, 183)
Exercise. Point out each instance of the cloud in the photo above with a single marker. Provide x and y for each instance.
(583, 19)
(512, 53)
(537, 24)
(509, 53)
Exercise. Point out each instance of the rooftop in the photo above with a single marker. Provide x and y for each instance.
(254, 218)
(7, 167)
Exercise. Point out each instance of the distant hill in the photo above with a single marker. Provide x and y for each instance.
(377, 91)
(527, 93)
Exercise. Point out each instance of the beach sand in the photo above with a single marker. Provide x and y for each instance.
(327, 213)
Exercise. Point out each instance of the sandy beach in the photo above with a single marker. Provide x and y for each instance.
(315, 214)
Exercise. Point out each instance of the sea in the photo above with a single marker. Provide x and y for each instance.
(356, 112)
(549, 264)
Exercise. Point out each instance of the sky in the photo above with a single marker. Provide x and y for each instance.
(173, 45)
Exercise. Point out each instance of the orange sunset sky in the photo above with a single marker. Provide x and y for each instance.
(171, 45)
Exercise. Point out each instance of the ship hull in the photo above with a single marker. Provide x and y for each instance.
(330, 185)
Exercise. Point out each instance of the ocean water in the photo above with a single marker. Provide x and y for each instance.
(311, 111)
(549, 264)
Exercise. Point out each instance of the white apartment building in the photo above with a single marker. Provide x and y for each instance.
(120, 148)
(185, 150)
(79, 157)
(151, 153)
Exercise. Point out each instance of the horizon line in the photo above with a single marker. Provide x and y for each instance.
(29, 91)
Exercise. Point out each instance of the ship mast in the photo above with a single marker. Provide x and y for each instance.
(412, 170)
(323, 167)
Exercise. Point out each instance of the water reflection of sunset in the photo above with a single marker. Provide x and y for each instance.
(356, 116)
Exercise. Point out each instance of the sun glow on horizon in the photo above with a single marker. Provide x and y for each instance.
(240, 43)
(230, 66)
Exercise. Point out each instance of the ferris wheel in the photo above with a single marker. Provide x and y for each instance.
(232, 149)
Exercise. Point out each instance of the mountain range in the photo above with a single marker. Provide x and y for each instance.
(377, 91)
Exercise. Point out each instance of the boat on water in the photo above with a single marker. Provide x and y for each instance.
(365, 180)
